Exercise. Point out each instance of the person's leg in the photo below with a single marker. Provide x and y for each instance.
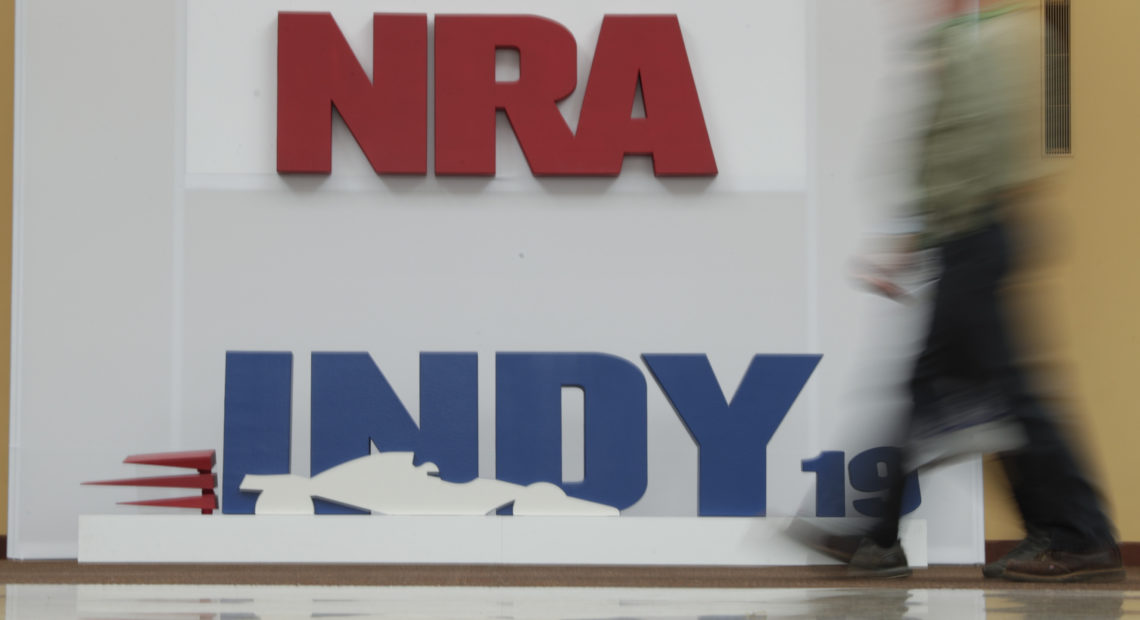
(939, 355)
(1049, 486)
(877, 552)
(1054, 496)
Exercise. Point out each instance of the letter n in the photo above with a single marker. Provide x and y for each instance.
(317, 72)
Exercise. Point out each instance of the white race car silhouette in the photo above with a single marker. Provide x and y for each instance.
(388, 483)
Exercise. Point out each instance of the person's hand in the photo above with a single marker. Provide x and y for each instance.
(878, 272)
(882, 285)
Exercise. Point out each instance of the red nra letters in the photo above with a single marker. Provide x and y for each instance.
(388, 115)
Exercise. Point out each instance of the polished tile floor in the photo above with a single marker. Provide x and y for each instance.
(151, 602)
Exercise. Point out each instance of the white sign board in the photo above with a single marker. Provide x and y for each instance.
(155, 241)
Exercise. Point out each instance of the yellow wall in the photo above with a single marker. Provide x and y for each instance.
(1091, 295)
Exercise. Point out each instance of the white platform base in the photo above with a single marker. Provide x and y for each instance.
(718, 541)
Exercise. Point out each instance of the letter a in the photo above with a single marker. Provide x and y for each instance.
(648, 48)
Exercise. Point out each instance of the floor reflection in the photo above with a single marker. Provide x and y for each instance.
(134, 602)
(1094, 605)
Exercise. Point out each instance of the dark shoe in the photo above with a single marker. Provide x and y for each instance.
(1063, 567)
(836, 546)
(1027, 549)
(872, 561)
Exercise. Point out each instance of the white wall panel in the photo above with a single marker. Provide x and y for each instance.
(94, 264)
(153, 235)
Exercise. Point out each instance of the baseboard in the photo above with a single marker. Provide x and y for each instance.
(1129, 551)
(494, 540)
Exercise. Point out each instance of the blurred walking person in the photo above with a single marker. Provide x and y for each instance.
(980, 155)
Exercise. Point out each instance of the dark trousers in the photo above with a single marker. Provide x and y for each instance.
(969, 343)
